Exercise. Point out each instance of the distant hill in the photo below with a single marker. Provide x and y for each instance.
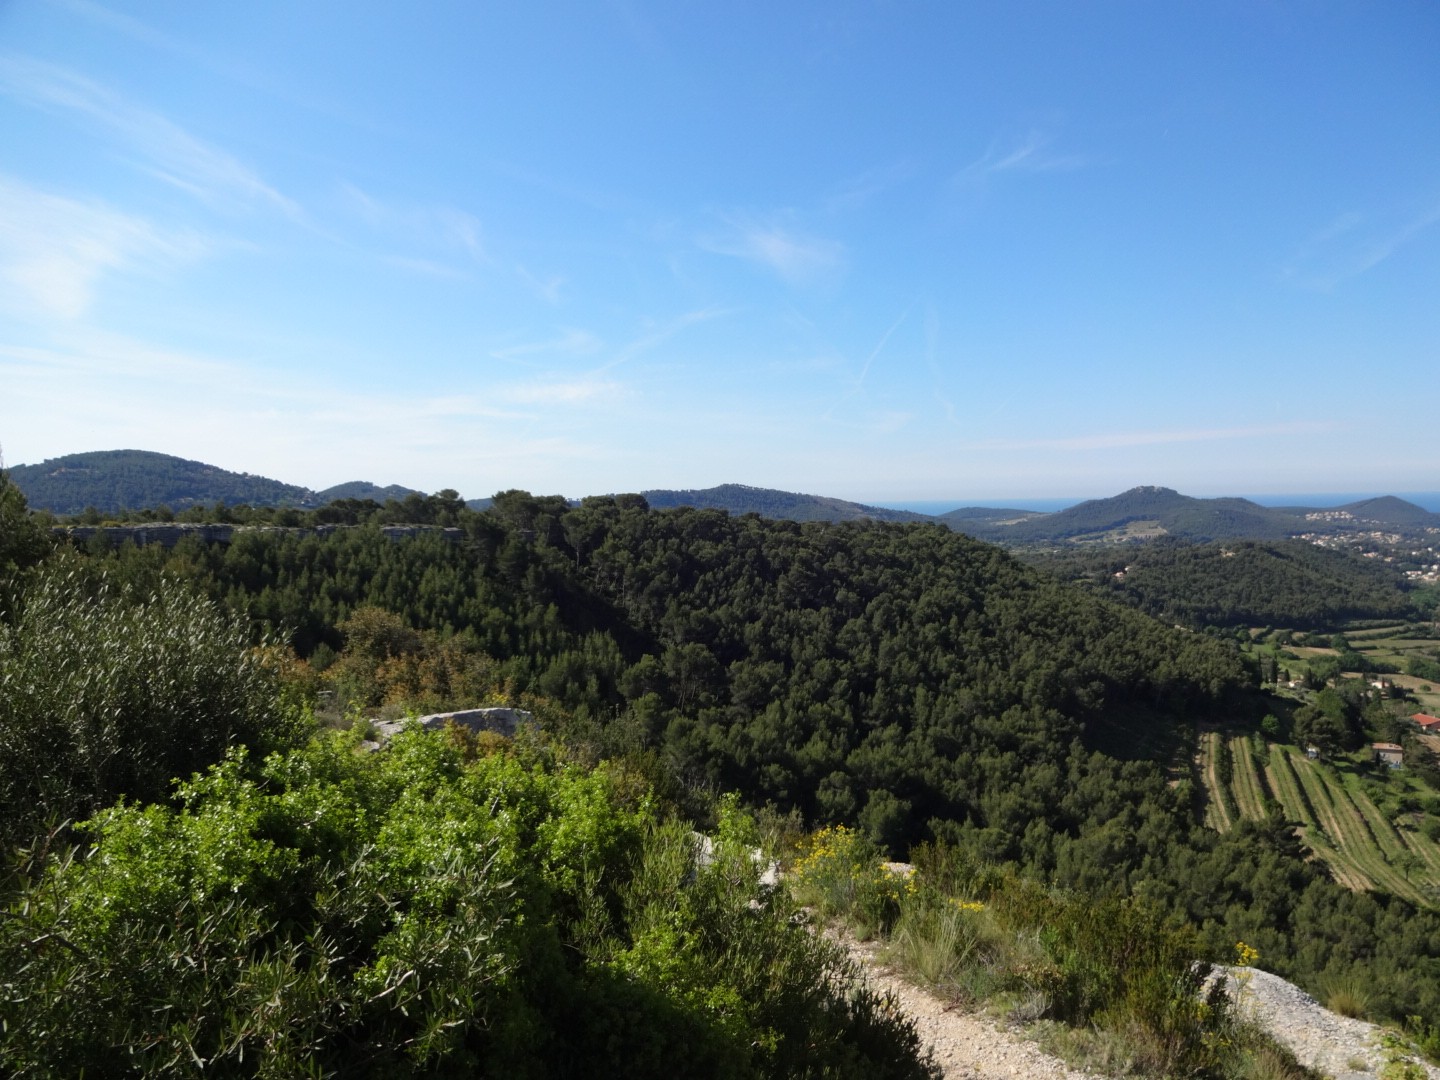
(768, 502)
(1291, 583)
(115, 480)
(363, 489)
(1388, 510)
(1140, 513)
(986, 516)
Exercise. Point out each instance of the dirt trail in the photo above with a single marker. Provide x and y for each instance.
(966, 1046)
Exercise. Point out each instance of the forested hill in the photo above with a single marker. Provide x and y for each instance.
(111, 481)
(1148, 512)
(888, 674)
(1388, 510)
(363, 489)
(1239, 583)
(1160, 510)
(767, 502)
(114, 482)
(901, 678)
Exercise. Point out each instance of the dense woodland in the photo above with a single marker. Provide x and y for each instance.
(1180, 515)
(897, 677)
(767, 502)
(117, 482)
(452, 906)
(1286, 583)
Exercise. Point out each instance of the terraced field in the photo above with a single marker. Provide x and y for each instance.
(1337, 819)
(1219, 814)
(1249, 789)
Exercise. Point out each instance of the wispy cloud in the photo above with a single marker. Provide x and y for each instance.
(1121, 439)
(54, 250)
(880, 346)
(441, 231)
(855, 192)
(794, 256)
(217, 62)
(568, 343)
(656, 333)
(221, 410)
(859, 382)
(548, 289)
(577, 391)
(425, 267)
(1030, 154)
(1353, 244)
(163, 148)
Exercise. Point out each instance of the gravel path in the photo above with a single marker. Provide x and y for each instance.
(968, 1046)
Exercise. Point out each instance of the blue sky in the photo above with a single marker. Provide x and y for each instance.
(882, 251)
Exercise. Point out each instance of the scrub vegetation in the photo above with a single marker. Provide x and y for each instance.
(467, 906)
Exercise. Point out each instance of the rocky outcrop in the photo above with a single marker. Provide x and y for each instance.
(1335, 1045)
(503, 721)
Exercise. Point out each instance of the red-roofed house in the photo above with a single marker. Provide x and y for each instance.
(1427, 723)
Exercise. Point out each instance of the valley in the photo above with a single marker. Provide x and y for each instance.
(1097, 722)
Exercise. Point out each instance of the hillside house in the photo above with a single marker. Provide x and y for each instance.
(1426, 723)
(1389, 754)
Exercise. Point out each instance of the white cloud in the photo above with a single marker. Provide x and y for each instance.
(99, 391)
(443, 232)
(856, 192)
(569, 342)
(167, 151)
(547, 289)
(54, 250)
(1354, 243)
(1028, 155)
(655, 334)
(576, 391)
(792, 255)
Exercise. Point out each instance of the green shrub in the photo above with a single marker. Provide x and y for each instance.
(110, 693)
(421, 911)
(948, 944)
(839, 872)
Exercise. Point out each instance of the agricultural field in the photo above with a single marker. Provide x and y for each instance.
(1390, 652)
(1392, 648)
(1364, 846)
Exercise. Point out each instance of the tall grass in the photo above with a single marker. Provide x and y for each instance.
(1114, 982)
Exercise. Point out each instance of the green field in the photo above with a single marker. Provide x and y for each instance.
(1337, 819)
(1388, 648)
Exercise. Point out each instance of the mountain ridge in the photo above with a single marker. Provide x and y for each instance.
(113, 481)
